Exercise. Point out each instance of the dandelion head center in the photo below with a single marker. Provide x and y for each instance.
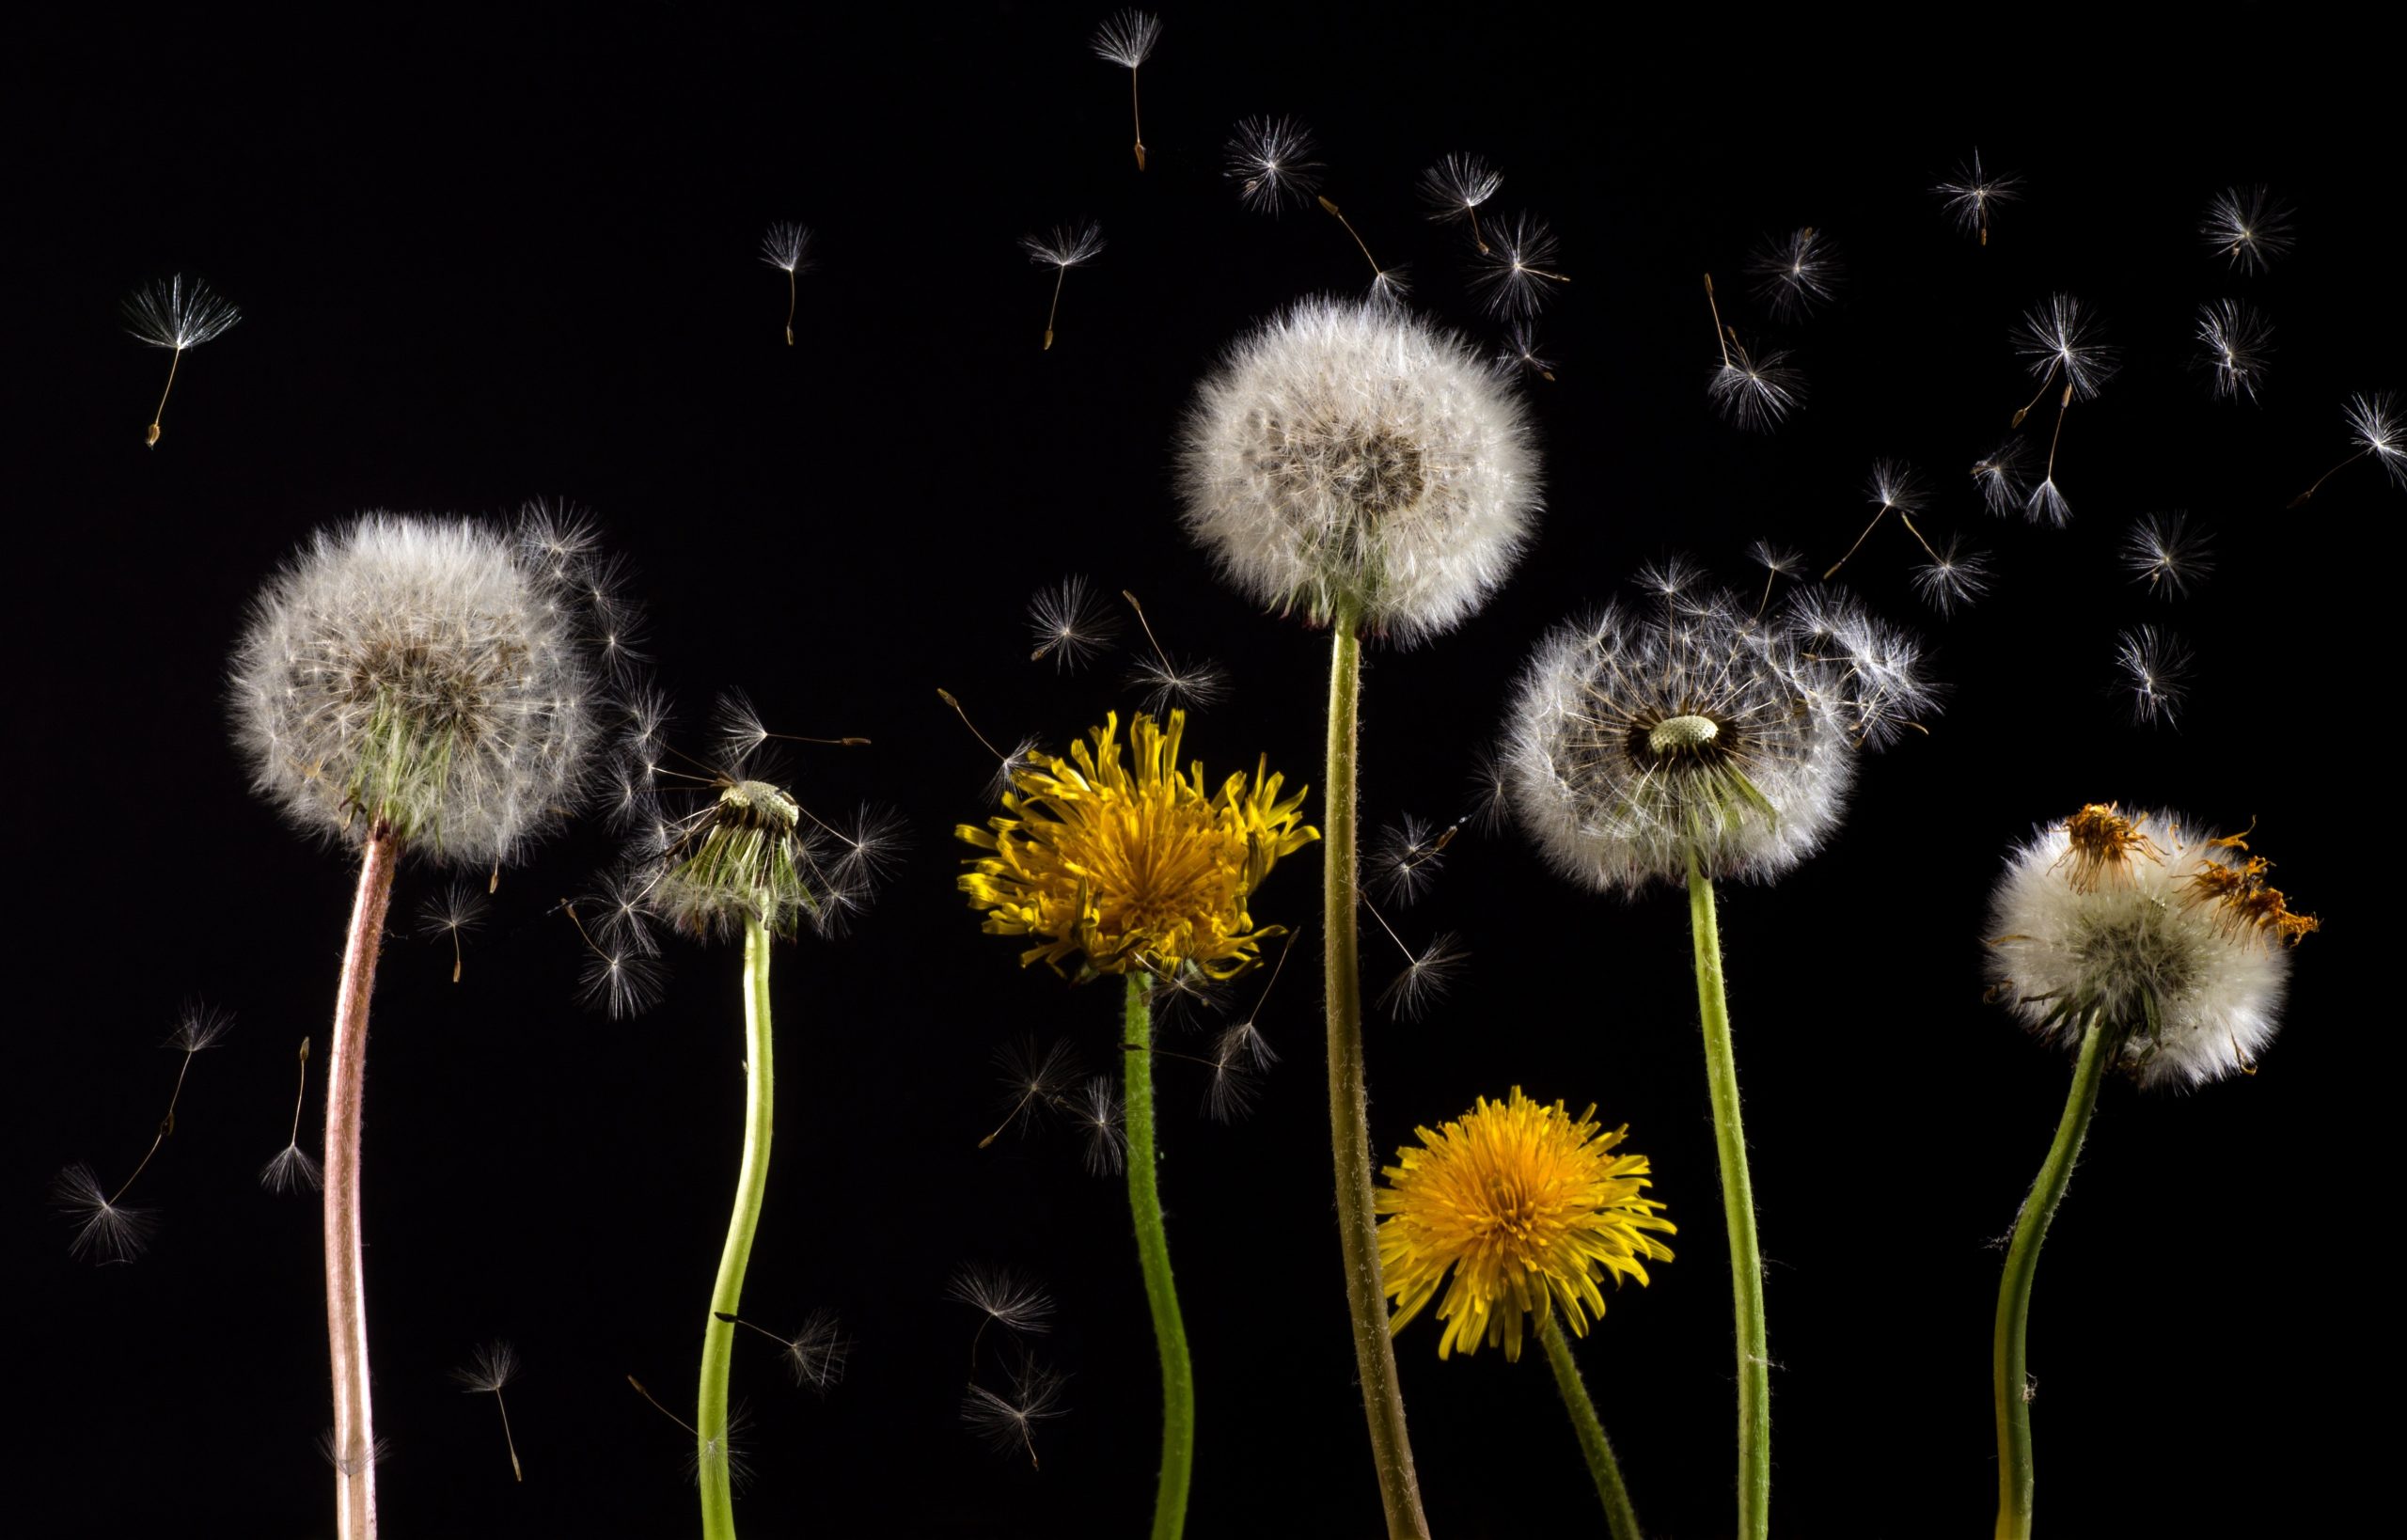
(1686, 734)
(1381, 471)
(756, 804)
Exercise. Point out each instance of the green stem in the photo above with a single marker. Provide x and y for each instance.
(1621, 1520)
(2009, 1378)
(1349, 1106)
(355, 1434)
(1153, 1256)
(1738, 1214)
(727, 1293)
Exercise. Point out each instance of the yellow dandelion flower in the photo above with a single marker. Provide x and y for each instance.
(1524, 1204)
(1134, 867)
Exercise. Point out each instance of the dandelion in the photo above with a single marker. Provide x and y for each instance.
(1270, 159)
(1515, 268)
(2060, 341)
(1009, 1422)
(1953, 577)
(1428, 972)
(2164, 551)
(816, 1356)
(788, 246)
(107, 1231)
(1796, 274)
(2374, 427)
(1127, 39)
(1096, 1109)
(1520, 350)
(1017, 1304)
(459, 909)
(1069, 623)
(1037, 1081)
(2247, 225)
(292, 1169)
(1067, 247)
(1387, 284)
(1407, 856)
(1755, 392)
(1893, 487)
(2234, 339)
(2144, 943)
(1456, 186)
(1999, 475)
(1170, 681)
(492, 1366)
(1008, 765)
(2155, 666)
(177, 314)
(1969, 198)
(1777, 561)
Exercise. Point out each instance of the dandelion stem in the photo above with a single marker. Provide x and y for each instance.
(173, 359)
(1334, 213)
(2009, 1380)
(355, 1437)
(726, 1290)
(1853, 549)
(1349, 1109)
(1621, 1520)
(1917, 535)
(1737, 1214)
(1153, 1255)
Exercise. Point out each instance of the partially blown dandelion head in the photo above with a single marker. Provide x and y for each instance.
(432, 679)
(1116, 868)
(2171, 937)
(742, 857)
(1637, 737)
(1528, 1207)
(1355, 462)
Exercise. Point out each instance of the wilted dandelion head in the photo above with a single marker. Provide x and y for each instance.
(1638, 738)
(2171, 937)
(2248, 224)
(1114, 867)
(1528, 1207)
(427, 678)
(178, 313)
(1357, 461)
(2234, 341)
(743, 857)
(2059, 336)
(1270, 159)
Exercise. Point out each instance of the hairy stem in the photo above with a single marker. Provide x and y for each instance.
(727, 1292)
(354, 1436)
(1621, 1520)
(1153, 1256)
(2009, 1377)
(1738, 1214)
(1349, 1106)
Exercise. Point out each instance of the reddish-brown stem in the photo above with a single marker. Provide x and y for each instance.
(354, 1437)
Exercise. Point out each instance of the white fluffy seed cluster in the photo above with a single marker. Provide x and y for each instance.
(2192, 996)
(1690, 724)
(430, 674)
(1352, 457)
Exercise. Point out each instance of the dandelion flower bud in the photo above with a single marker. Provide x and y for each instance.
(1354, 460)
(2172, 939)
(425, 677)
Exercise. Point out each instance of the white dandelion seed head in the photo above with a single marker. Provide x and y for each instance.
(178, 313)
(1999, 476)
(1346, 458)
(788, 246)
(1518, 273)
(1065, 245)
(2155, 666)
(1755, 391)
(2164, 551)
(2374, 427)
(1457, 184)
(1127, 38)
(2198, 996)
(431, 676)
(2234, 341)
(2060, 333)
(2247, 225)
(1796, 274)
(1270, 159)
(1974, 192)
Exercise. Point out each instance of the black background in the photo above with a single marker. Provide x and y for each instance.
(487, 262)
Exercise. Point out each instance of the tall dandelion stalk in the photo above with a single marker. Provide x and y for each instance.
(1358, 464)
(2143, 944)
(408, 685)
(1142, 870)
(1697, 739)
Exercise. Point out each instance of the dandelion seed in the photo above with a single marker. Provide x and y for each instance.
(491, 1367)
(1777, 561)
(2000, 477)
(2156, 669)
(1893, 487)
(1169, 683)
(2045, 504)
(1456, 186)
(1754, 392)
(107, 1231)
(2235, 341)
(1009, 1422)
(728, 1450)
(2167, 554)
(1003, 1298)
(1387, 284)
(355, 1460)
(1515, 268)
(1007, 766)
(788, 246)
(816, 1356)
(1797, 273)
(2374, 427)
(1427, 975)
(1067, 247)
(1230, 1092)
(1974, 193)
(177, 314)
(1270, 159)
(1097, 1111)
(619, 906)
(1036, 1079)
(1069, 623)
(292, 1169)
(2250, 226)
(1127, 40)
(1521, 350)
(458, 909)
(1953, 577)
(2060, 339)
(1405, 858)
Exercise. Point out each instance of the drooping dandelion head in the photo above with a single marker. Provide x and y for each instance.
(1114, 868)
(1693, 725)
(1528, 1207)
(431, 678)
(741, 856)
(2172, 939)
(1353, 460)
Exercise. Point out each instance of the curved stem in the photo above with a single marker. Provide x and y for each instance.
(1738, 1214)
(354, 1436)
(1621, 1520)
(1349, 1108)
(1153, 1256)
(2009, 1380)
(727, 1292)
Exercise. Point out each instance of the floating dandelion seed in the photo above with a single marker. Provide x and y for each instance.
(1797, 273)
(355, 1460)
(105, 1230)
(492, 1366)
(1009, 1422)
(1427, 973)
(1893, 487)
(1777, 561)
(1037, 1081)
(1169, 683)
(1953, 577)
(1127, 39)
(292, 1169)
(1974, 193)
(788, 246)
(623, 976)
(1515, 268)
(1007, 765)
(2235, 341)
(1069, 623)
(816, 1356)
(1407, 856)
(1097, 1111)
(2060, 341)
(2167, 554)
(1387, 284)
(2374, 427)
(1001, 1298)
(1754, 392)
(1240, 1053)
(2250, 226)
(1999, 475)
(722, 1457)
(2156, 669)
(1521, 350)
(1067, 247)
(458, 909)
(177, 314)
(1270, 159)
(1456, 186)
